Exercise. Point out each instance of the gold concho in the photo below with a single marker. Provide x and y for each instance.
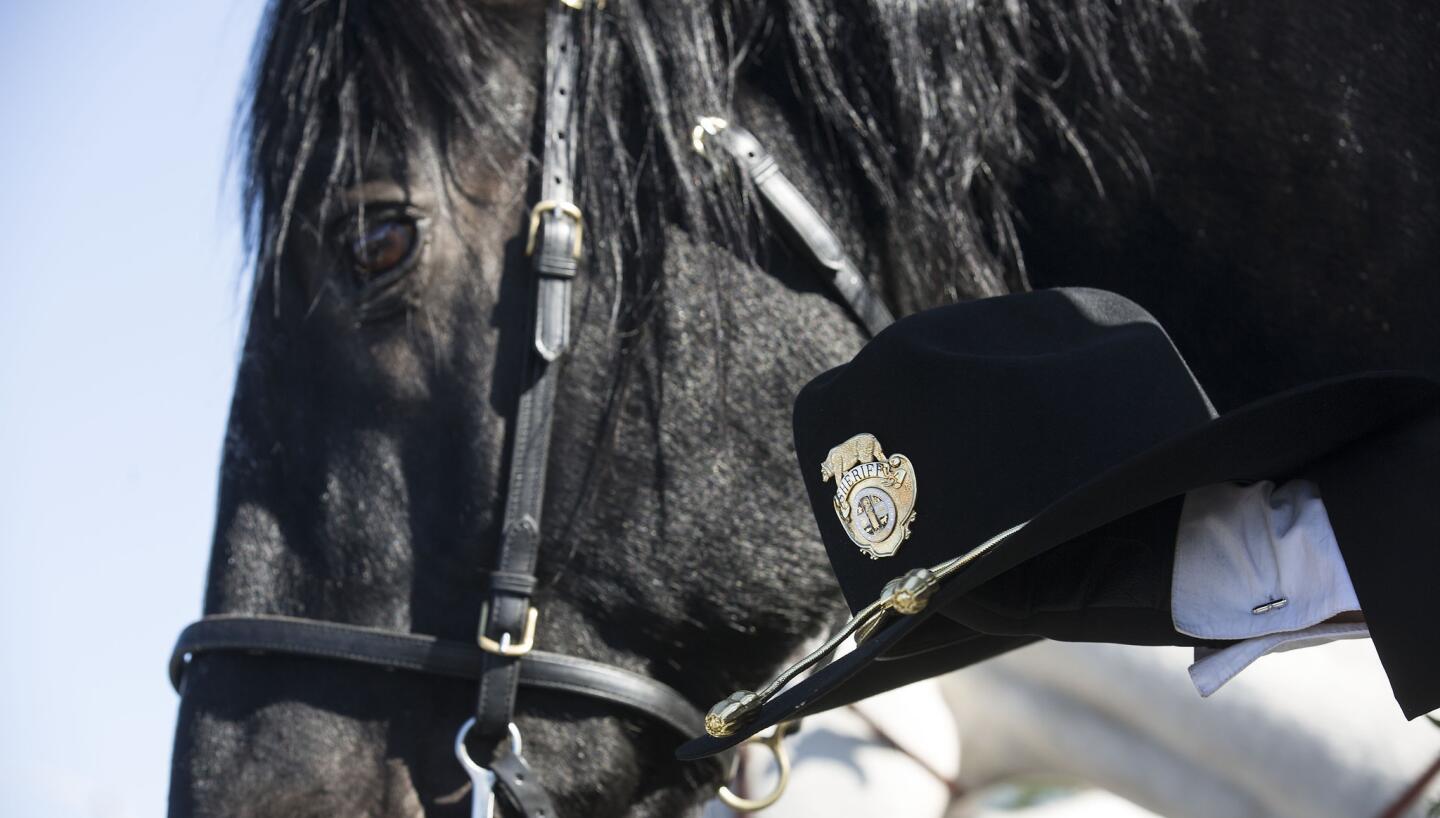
(874, 494)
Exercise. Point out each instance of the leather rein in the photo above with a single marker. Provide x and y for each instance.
(503, 658)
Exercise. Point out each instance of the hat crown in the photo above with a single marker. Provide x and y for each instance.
(1001, 406)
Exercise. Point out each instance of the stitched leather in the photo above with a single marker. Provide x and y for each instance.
(539, 670)
(811, 232)
(520, 786)
(555, 265)
(507, 582)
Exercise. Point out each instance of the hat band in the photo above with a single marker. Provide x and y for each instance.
(906, 595)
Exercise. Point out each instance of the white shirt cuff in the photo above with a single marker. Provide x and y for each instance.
(1260, 565)
(1214, 668)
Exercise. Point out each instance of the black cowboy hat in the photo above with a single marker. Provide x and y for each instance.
(964, 441)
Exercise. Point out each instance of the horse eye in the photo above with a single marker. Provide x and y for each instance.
(383, 245)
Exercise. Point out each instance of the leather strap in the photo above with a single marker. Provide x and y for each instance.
(808, 227)
(556, 250)
(520, 786)
(539, 670)
(555, 260)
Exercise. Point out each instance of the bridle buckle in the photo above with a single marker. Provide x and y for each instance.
(563, 208)
(504, 646)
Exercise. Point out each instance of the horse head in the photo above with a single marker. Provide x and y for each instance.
(390, 165)
(390, 158)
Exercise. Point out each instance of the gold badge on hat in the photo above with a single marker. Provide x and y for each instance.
(874, 494)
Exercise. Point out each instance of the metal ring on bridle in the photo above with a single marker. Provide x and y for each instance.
(776, 744)
(462, 753)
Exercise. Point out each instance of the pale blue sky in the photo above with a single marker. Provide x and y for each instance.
(121, 300)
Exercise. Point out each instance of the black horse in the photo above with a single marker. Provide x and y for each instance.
(1261, 176)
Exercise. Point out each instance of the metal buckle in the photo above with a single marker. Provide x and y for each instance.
(504, 647)
(564, 208)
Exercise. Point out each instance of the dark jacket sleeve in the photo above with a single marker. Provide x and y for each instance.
(1383, 497)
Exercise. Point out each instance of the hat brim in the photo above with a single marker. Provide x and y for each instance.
(1270, 439)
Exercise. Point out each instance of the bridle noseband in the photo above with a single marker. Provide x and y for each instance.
(539, 670)
(503, 659)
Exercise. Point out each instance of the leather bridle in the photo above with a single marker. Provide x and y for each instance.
(503, 658)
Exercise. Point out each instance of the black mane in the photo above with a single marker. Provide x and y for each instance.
(930, 141)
